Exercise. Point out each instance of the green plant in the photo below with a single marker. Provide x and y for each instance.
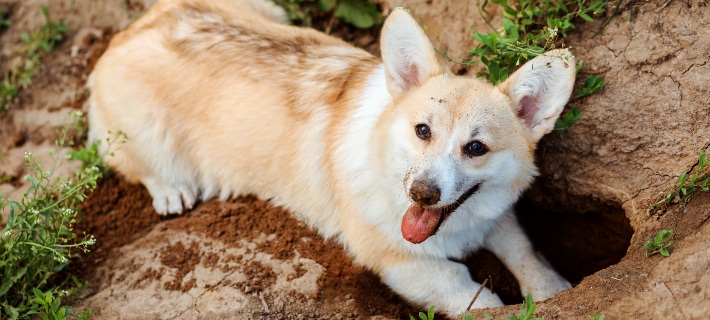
(465, 317)
(5, 21)
(425, 316)
(90, 157)
(596, 316)
(49, 307)
(39, 240)
(42, 40)
(592, 85)
(529, 28)
(658, 243)
(567, 119)
(526, 310)
(359, 13)
(687, 185)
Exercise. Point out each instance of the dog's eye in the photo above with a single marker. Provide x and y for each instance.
(475, 149)
(423, 131)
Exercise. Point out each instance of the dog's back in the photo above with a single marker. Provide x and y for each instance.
(266, 81)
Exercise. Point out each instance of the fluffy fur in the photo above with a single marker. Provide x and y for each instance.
(222, 98)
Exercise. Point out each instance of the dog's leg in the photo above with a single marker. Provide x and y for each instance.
(445, 284)
(508, 241)
(170, 198)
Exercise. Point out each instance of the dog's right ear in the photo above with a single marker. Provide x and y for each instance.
(408, 55)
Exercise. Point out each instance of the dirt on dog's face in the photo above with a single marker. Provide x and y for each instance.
(457, 137)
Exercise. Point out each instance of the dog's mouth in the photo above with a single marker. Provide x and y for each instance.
(419, 223)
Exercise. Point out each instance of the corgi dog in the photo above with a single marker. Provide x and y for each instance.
(402, 162)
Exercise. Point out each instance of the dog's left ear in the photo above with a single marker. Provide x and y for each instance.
(407, 53)
(540, 89)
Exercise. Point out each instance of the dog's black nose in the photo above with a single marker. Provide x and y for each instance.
(425, 192)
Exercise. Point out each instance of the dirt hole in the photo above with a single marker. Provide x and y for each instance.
(577, 241)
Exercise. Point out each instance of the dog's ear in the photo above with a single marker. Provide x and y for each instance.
(540, 89)
(408, 55)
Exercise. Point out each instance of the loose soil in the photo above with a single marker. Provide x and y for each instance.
(245, 258)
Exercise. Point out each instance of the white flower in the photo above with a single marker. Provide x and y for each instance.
(28, 154)
(60, 258)
(78, 114)
(553, 32)
(67, 211)
(8, 233)
(567, 56)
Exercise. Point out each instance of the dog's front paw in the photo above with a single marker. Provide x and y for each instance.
(548, 288)
(171, 199)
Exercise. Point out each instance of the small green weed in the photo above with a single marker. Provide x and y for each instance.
(359, 13)
(526, 310)
(39, 42)
(687, 185)
(658, 243)
(425, 316)
(567, 119)
(5, 21)
(592, 85)
(465, 317)
(39, 240)
(596, 316)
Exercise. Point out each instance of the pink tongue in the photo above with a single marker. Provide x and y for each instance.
(419, 224)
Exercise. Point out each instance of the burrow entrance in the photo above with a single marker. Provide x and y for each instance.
(577, 242)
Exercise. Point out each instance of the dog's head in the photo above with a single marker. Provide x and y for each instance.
(460, 145)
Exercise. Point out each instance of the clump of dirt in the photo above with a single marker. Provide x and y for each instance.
(259, 277)
(184, 259)
(149, 275)
(116, 213)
